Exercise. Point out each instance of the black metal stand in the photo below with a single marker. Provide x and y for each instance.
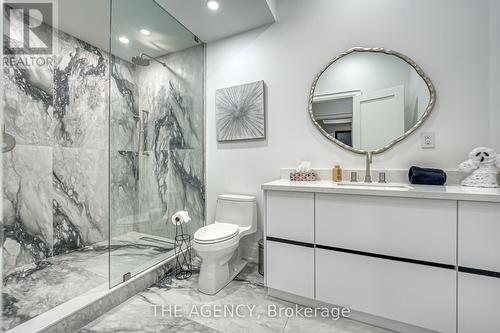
(183, 263)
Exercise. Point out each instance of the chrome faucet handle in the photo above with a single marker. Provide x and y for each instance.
(368, 176)
(354, 177)
(381, 177)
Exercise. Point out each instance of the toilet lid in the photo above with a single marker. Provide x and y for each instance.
(216, 232)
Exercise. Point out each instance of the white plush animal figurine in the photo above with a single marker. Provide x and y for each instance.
(484, 163)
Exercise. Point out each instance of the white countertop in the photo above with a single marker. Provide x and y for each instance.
(452, 192)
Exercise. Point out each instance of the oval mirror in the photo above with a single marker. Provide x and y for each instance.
(368, 99)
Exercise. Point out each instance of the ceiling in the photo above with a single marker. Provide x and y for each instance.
(232, 17)
(89, 20)
(127, 19)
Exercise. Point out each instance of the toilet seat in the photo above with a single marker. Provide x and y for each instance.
(215, 233)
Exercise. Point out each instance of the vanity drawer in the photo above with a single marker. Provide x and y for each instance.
(420, 229)
(292, 276)
(479, 235)
(419, 295)
(478, 303)
(290, 215)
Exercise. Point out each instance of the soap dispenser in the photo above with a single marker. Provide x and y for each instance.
(337, 173)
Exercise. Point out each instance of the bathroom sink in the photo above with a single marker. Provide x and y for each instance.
(392, 186)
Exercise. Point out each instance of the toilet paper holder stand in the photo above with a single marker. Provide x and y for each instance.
(182, 249)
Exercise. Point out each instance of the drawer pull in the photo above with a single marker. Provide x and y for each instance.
(383, 256)
(479, 272)
(289, 241)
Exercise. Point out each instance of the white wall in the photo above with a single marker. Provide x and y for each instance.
(495, 73)
(447, 38)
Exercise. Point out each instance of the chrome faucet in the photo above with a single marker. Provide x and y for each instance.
(368, 177)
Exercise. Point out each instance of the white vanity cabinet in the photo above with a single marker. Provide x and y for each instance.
(479, 267)
(426, 259)
(391, 257)
(415, 294)
(289, 241)
(420, 229)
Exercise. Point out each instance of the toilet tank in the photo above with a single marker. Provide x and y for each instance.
(237, 209)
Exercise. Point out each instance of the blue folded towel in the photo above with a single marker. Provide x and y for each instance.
(426, 176)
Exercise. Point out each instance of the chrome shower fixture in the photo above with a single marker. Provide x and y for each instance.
(142, 132)
(145, 60)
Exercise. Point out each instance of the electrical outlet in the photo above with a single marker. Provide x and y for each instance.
(428, 140)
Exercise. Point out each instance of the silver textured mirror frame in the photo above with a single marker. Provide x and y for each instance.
(420, 72)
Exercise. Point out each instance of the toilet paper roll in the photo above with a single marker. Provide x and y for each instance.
(180, 217)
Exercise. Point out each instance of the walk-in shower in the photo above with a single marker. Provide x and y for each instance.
(156, 134)
(101, 147)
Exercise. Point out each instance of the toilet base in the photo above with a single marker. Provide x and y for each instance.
(214, 278)
(237, 268)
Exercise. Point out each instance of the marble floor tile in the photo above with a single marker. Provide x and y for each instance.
(135, 252)
(139, 317)
(39, 287)
(152, 311)
(35, 288)
(91, 258)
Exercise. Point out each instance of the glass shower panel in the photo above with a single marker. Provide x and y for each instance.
(156, 153)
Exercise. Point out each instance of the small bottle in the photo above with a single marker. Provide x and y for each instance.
(337, 173)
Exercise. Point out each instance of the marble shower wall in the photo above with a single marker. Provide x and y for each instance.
(55, 180)
(171, 174)
(123, 147)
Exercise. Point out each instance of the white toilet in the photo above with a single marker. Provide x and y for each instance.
(218, 244)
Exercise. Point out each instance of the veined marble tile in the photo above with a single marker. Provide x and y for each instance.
(172, 183)
(174, 98)
(246, 289)
(135, 252)
(81, 94)
(34, 289)
(27, 91)
(169, 291)
(123, 195)
(182, 187)
(173, 172)
(80, 198)
(139, 318)
(146, 189)
(124, 106)
(93, 258)
(27, 205)
(28, 107)
(150, 206)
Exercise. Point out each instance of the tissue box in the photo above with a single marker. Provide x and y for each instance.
(309, 176)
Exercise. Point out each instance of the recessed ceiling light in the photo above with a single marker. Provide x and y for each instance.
(123, 39)
(145, 32)
(212, 4)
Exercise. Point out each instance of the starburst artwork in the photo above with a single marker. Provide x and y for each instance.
(240, 112)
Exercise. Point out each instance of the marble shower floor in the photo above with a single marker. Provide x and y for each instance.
(34, 289)
(138, 313)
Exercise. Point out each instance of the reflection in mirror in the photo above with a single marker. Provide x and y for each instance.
(368, 99)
